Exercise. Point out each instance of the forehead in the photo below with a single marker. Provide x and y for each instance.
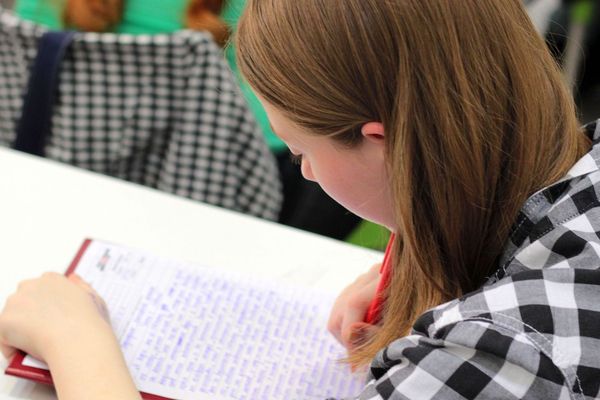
(281, 125)
(276, 117)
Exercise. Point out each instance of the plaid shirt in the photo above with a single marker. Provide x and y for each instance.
(159, 110)
(533, 330)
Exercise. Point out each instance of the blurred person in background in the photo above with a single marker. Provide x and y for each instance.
(305, 205)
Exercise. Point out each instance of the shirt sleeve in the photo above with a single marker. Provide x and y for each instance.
(470, 360)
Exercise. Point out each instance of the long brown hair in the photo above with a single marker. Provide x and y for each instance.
(476, 113)
(103, 15)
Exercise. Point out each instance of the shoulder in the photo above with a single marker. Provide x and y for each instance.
(558, 226)
(532, 335)
(533, 331)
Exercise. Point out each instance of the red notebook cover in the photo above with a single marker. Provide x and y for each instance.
(16, 367)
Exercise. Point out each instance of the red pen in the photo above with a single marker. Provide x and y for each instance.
(373, 314)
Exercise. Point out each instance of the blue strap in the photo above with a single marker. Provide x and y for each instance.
(35, 125)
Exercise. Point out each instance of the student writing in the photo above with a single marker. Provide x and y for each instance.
(448, 122)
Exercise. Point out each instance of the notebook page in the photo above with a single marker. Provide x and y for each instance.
(189, 332)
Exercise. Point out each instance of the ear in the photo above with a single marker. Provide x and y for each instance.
(373, 131)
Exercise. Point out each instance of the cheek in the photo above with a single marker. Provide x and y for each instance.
(360, 194)
(344, 188)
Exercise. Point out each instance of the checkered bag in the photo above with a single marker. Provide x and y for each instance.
(160, 110)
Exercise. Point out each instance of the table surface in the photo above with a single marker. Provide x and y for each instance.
(47, 209)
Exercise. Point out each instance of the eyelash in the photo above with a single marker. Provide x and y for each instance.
(296, 158)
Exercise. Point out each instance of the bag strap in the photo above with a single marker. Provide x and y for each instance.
(34, 127)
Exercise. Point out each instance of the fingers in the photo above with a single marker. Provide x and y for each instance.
(360, 332)
(374, 271)
(7, 351)
(356, 310)
(334, 326)
(98, 301)
(76, 279)
(352, 304)
(352, 317)
(43, 309)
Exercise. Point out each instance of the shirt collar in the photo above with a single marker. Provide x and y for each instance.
(537, 205)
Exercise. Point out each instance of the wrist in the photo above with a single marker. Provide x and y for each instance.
(77, 341)
(91, 367)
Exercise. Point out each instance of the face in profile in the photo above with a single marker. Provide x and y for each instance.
(355, 177)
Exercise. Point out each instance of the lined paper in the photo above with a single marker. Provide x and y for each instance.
(191, 332)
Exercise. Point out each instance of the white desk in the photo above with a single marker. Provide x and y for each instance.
(47, 209)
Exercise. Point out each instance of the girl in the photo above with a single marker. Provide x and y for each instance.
(448, 122)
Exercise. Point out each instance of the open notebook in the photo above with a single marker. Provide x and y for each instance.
(191, 332)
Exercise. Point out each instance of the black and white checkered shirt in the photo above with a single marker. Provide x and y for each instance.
(160, 110)
(533, 331)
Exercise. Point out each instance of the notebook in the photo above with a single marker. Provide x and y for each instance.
(196, 332)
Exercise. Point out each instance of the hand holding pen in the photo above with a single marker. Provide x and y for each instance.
(347, 321)
(357, 310)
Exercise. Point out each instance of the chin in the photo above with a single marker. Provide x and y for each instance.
(376, 219)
